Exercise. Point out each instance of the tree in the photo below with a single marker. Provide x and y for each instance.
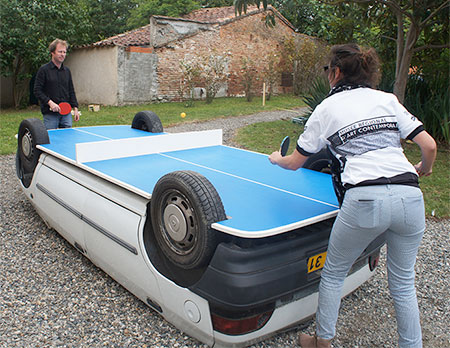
(250, 75)
(419, 26)
(107, 17)
(144, 9)
(308, 57)
(335, 24)
(412, 18)
(216, 3)
(190, 69)
(271, 71)
(241, 5)
(213, 73)
(27, 32)
(307, 16)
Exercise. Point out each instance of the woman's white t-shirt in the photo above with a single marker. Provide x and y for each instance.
(364, 126)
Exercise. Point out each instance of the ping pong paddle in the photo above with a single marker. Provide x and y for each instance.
(64, 108)
(284, 146)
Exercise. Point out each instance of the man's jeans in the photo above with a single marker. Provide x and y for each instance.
(366, 213)
(55, 120)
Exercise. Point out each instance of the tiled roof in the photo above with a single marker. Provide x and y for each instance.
(135, 37)
(216, 14)
(141, 36)
(223, 15)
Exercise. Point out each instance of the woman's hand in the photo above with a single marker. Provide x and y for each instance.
(292, 162)
(275, 157)
(420, 170)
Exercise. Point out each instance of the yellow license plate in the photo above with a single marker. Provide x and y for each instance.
(316, 262)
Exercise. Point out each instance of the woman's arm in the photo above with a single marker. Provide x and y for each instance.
(291, 162)
(428, 148)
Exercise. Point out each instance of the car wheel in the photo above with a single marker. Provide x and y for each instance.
(25, 178)
(147, 121)
(184, 204)
(320, 162)
(32, 132)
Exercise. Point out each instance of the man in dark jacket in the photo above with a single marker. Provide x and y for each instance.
(53, 86)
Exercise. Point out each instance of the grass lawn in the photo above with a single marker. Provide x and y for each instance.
(266, 138)
(169, 113)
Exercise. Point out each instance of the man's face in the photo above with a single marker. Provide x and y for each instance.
(59, 54)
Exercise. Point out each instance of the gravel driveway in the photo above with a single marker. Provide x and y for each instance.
(52, 296)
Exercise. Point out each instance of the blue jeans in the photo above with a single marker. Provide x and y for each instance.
(367, 212)
(55, 120)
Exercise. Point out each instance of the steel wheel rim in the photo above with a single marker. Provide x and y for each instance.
(175, 222)
(179, 225)
(27, 144)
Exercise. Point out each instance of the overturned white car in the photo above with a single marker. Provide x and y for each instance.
(222, 244)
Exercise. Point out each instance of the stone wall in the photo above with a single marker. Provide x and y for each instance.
(164, 30)
(137, 82)
(246, 37)
(116, 75)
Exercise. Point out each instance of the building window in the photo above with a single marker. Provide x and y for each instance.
(286, 79)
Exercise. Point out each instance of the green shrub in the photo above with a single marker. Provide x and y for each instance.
(428, 99)
(318, 91)
(387, 80)
(213, 73)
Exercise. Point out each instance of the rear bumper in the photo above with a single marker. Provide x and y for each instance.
(251, 280)
(288, 315)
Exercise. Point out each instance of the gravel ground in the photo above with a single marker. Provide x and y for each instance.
(52, 296)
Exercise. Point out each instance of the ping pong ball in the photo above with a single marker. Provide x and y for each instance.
(183, 115)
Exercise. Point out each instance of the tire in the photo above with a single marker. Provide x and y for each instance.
(320, 162)
(32, 132)
(23, 177)
(147, 121)
(184, 204)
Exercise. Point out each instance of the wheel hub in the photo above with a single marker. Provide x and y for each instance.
(175, 222)
(27, 144)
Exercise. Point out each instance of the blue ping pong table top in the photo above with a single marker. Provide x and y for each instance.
(62, 141)
(260, 199)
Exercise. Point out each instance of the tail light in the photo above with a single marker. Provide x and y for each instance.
(373, 261)
(240, 326)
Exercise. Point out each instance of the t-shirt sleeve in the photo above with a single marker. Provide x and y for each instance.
(408, 124)
(311, 140)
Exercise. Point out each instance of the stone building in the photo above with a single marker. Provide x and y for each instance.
(143, 65)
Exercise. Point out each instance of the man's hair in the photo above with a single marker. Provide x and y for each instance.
(358, 65)
(52, 46)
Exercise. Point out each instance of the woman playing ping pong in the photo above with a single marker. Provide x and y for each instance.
(363, 127)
